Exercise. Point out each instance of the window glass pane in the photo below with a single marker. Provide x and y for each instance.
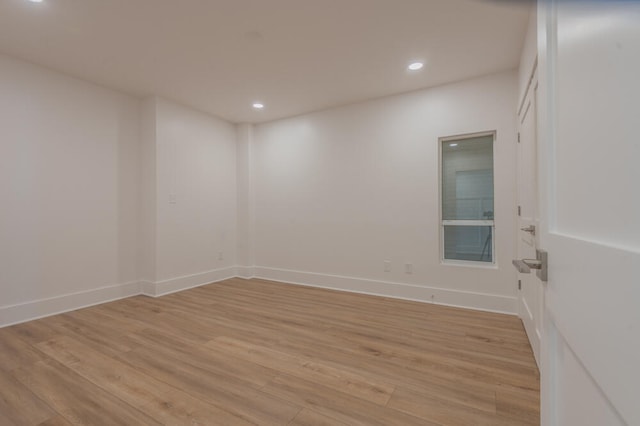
(467, 179)
(468, 243)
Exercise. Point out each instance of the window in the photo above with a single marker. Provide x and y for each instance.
(467, 198)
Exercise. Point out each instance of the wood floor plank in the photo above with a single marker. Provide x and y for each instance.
(243, 352)
(19, 405)
(176, 409)
(219, 389)
(127, 383)
(123, 381)
(169, 345)
(345, 353)
(185, 326)
(4, 420)
(15, 352)
(337, 405)
(55, 421)
(308, 417)
(341, 380)
(521, 405)
(79, 401)
(33, 331)
(441, 411)
(500, 370)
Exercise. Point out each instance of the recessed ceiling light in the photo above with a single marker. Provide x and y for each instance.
(415, 66)
(258, 105)
(36, 1)
(453, 144)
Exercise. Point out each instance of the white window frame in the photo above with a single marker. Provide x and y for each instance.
(442, 223)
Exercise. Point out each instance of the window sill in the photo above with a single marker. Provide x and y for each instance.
(468, 264)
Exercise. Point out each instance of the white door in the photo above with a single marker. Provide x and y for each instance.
(589, 177)
(530, 286)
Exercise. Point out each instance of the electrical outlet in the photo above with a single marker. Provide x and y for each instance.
(387, 266)
(172, 199)
(220, 255)
(408, 268)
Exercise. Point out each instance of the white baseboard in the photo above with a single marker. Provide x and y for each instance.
(28, 311)
(161, 288)
(148, 288)
(462, 299)
(246, 272)
(36, 309)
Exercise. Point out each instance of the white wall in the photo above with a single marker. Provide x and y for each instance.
(529, 54)
(244, 190)
(88, 177)
(148, 194)
(69, 191)
(340, 191)
(105, 195)
(195, 191)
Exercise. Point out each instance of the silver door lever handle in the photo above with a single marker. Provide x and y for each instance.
(533, 263)
(526, 265)
(530, 229)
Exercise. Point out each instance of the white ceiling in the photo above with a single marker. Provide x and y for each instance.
(296, 56)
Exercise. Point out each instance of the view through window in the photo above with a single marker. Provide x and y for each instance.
(467, 198)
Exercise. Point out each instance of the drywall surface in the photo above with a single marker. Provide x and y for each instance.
(245, 192)
(68, 185)
(529, 55)
(339, 192)
(105, 196)
(195, 193)
(148, 197)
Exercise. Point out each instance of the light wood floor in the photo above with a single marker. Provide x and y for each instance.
(257, 352)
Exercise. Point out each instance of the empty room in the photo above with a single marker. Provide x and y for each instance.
(319, 212)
